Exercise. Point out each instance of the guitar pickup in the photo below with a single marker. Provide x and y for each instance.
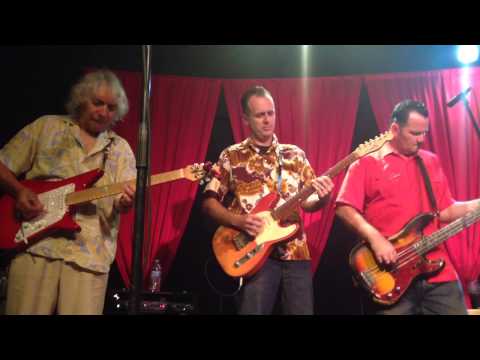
(55, 209)
(248, 256)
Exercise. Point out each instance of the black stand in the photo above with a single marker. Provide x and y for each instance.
(143, 171)
(470, 114)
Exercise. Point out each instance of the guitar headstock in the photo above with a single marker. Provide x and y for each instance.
(373, 144)
(197, 172)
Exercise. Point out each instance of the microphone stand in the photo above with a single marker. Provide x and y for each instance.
(470, 113)
(143, 170)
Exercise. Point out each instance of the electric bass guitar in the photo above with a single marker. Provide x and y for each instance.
(387, 283)
(240, 254)
(59, 199)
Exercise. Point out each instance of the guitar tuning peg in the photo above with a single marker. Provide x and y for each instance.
(205, 180)
(208, 165)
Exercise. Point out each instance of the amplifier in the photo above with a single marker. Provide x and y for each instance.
(171, 303)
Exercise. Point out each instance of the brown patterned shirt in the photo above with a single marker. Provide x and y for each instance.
(249, 173)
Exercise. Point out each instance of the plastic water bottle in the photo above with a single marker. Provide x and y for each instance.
(155, 277)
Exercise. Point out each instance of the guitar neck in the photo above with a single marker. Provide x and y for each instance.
(288, 207)
(114, 189)
(430, 242)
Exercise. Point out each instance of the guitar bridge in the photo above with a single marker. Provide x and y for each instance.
(248, 256)
(366, 278)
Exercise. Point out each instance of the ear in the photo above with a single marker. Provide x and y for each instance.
(245, 121)
(395, 128)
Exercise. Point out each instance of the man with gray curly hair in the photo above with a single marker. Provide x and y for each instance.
(68, 274)
(83, 91)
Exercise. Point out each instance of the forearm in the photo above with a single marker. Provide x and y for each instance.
(8, 181)
(215, 210)
(382, 248)
(27, 202)
(458, 209)
(355, 221)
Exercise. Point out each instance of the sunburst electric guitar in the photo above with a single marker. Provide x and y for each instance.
(387, 284)
(59, 199)
(240, 254)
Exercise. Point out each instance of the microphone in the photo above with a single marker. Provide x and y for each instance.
(459, 97)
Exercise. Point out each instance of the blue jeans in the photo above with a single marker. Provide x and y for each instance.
(259, 293)
(422, 298)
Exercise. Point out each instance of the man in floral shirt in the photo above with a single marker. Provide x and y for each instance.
(68, 274)
(249, 171)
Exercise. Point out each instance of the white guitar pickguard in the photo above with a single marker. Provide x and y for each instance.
(272, 230)
(55, 209)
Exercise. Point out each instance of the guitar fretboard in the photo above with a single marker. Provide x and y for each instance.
(114, 189)
(288, 207)
(435, 239)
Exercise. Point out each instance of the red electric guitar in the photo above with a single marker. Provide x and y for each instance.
(59, 198)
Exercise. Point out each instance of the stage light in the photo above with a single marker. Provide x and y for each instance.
(467, 54)
(305, 60)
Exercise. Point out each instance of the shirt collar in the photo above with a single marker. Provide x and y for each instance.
(388, 149)
(104, 138)
(272, 148)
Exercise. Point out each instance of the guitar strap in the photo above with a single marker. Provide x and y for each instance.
(279, 179)
(428, 184)
(106, 152)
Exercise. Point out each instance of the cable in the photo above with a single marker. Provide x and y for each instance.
(218, 292)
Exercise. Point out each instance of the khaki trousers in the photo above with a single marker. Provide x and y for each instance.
(41, 286)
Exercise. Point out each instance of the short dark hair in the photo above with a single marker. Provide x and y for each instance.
(253, 91)
(402, 111)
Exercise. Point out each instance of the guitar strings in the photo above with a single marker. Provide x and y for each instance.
(411, 253)
(404, 255)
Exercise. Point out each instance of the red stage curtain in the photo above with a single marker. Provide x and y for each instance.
(451, 136)
(182, 114)
(318, 115)
(464, 249)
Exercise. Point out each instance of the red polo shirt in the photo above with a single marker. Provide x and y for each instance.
(388, 190)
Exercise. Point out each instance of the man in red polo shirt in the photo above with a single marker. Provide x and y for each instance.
(384, 190)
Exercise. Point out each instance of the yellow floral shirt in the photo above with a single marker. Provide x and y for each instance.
(50, 149)
(249, 173)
